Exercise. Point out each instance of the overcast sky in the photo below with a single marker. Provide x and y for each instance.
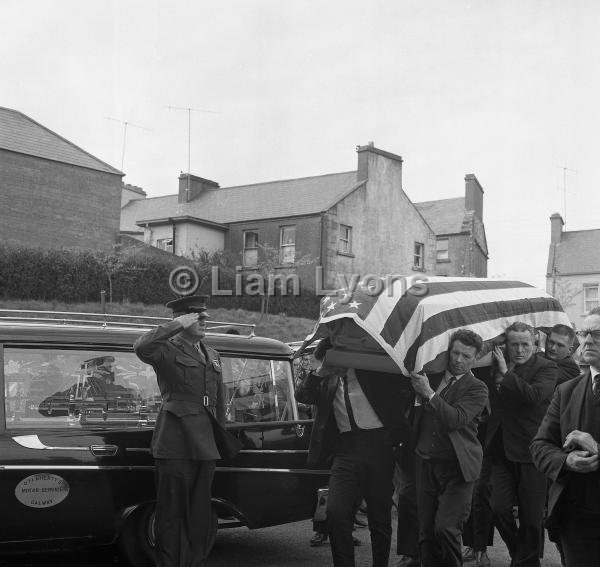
(507, 90)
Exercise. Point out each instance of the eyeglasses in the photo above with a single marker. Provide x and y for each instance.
(585, 332)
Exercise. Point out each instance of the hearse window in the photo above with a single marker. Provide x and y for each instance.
(258, 390)
(49, 388)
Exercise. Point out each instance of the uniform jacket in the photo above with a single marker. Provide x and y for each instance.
(564, 415)
(458, 414)
(184, 429)
(520, 405)
(390, 395)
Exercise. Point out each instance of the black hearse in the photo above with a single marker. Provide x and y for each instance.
(76, 422)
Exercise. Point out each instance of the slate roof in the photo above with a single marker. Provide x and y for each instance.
(274, 199)
(444, 216)
(577, 252)
(19, 133)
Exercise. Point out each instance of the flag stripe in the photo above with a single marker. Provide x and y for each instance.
(466, 317)
(404, 309)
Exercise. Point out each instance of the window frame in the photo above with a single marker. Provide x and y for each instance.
(246, 248)
(586, 300)
(345, 240)
(166, 247)
(418, 256)
(446, 250)
(284, 248)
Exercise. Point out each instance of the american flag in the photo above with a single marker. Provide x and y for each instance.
(412, 324)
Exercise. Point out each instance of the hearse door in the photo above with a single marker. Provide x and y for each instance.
(60, 447)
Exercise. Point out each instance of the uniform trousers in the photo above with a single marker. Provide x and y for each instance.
(184, 520)
(522, 484)
(407, 541)
(363, 463)
(443, 506)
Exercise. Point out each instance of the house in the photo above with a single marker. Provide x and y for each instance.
(352, 223)
(54, 194)
(573, 273)
(461, 246)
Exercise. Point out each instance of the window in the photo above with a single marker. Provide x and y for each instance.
(165, 244)
(442, 250)
(345, 239)
(257, 390)
(418, 257)
(250, 249)
(287, 244)
(77, 388)
(591, 297)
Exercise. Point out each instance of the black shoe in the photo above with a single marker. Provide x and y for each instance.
(408, 561)
(318, 539)
(359, 522)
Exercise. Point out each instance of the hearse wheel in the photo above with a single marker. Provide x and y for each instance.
(137, 538)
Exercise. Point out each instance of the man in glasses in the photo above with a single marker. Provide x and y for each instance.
(565, 449)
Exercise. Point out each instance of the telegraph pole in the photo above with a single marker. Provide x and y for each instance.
(125, 124)
(189, 111)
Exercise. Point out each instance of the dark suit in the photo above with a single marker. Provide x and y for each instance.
(449, 457)
(362, 461)
(518, 408)
(184, 444)
(574, 498)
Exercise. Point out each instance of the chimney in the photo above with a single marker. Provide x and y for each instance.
(190, 187)
(556, 228)
(473, 195)
(368, 153)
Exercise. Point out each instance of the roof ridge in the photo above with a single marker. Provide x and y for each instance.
(285, 180)
(114, 169)
(438, 200)
(581, 230)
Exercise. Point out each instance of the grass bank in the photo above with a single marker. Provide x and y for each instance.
(275, 326)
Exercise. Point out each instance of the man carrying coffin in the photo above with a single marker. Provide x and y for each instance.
(360, 418)
(448, 452)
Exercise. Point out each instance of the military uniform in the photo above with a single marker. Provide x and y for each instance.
(183, 444)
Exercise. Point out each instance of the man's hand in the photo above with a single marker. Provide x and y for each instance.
(581, 440)
(500, 361)
(420, 384)
(187, 320)
(582, 462)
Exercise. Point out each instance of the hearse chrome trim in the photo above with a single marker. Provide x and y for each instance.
(275, 451)
(33, 442)
(74, 467)
(263, 470)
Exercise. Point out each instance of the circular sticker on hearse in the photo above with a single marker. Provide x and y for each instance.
(42, 490)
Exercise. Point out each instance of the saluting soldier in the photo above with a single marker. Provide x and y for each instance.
(188, 434)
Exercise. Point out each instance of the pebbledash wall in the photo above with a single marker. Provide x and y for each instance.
(51, 204)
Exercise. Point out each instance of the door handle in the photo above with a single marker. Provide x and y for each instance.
(104, 450)
(299, 430)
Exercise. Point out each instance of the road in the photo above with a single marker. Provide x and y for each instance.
(269, 547)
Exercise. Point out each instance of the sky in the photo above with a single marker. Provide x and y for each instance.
(507, 90)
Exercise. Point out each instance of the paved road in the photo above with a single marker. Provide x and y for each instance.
(269, 547)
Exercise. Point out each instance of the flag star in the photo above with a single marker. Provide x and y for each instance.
(353, 305)
(330, 306)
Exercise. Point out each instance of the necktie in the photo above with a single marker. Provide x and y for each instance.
(353, 425)
(448, 386)
(596, 388)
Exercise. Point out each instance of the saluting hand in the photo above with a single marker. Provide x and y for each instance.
(187, 320)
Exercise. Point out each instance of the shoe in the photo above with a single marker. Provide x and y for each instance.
(318, 539)
(482, 559)
(408, 561)
(356, 542)
(360, 523)
(468, 555)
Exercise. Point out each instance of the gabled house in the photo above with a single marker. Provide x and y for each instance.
(54, 194)
(573, 273)
(352, 224)
(461, 245)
